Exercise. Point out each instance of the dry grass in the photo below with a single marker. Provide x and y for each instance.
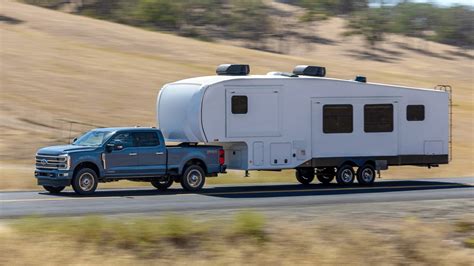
(58, 66)
(247, 239)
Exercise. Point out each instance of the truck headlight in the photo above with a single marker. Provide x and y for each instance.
(65, 162)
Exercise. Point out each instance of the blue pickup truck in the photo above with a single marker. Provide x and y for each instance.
(137, 154)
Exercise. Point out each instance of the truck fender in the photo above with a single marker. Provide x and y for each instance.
(89, 160)
(190, 158)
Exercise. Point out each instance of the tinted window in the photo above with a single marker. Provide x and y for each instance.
(337, 118)
(146, 139)
(239, 104)
(123, 138)
(415, 112)
(378, 118)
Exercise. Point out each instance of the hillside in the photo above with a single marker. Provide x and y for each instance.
(57, 67)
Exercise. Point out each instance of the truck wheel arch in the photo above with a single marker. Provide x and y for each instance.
(87, 164)
(192, 162)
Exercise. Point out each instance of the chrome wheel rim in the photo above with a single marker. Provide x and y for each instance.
(194, 178)
(86, 181)
(367, 175)
(347, 176)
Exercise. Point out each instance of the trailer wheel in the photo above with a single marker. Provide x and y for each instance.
(366, 175)
(305, 175)
(162, 184)
(85, 181)
(193, 178)
(325, 175)
(345, 175)
(53, 190)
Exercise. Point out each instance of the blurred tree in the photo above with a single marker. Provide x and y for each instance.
(455, 26)
(372, 24)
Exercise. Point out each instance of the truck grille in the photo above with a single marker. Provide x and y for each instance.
(51, 162)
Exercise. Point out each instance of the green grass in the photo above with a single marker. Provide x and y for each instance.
(246, 238)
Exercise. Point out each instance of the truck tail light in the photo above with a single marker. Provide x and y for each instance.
(221, 157)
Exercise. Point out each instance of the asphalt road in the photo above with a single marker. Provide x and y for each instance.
(230, 197)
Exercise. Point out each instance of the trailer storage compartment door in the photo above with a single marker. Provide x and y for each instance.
(252, 112)
(353, 127)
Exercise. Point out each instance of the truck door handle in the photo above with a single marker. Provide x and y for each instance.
(160, 153)
(132, 154)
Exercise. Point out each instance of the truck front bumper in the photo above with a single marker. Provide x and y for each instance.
(55, 178)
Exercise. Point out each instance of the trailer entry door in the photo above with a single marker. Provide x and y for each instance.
(253, 112)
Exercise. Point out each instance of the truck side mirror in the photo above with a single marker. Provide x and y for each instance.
(109, 147)
(74, 140)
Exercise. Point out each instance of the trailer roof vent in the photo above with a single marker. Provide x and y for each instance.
(361, 79)
(315, 71)
(284, 74)
(233, 70)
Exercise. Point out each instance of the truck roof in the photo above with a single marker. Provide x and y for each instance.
(125, 128)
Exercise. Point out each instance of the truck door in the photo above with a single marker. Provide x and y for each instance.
(124, 161)
(151, 153)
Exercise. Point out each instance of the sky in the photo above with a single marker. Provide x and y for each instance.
(449, 2)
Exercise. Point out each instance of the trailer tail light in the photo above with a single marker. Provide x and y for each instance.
(221, 157)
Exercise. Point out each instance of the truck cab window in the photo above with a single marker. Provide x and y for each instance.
(378, 117)
(415, 112)
(146, 139)
(123, 138)
(337, 118)
(239, 104)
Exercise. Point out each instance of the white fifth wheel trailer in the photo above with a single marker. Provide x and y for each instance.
(316, 125)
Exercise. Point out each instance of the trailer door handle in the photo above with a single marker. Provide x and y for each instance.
(160, 153)
(132, 154)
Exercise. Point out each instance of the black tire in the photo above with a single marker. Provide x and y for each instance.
(85, 181)
(53, 190)
(193, 178)
(163, 184)
(366, 175)
(326, 175)
(305, 175)
(345, 175)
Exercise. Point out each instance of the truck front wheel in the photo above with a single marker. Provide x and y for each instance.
(53, 190)
(193, 178)
(85, 181)
(163, 184)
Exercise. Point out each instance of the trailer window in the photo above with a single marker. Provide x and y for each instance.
(337, 118)
(415, 112)
(239, 104)
(378, 118)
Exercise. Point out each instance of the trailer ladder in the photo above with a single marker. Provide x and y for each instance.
(449, 90)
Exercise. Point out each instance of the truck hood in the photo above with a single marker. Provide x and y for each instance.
(62, 149)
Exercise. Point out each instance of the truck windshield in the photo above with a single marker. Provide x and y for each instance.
(93, 138)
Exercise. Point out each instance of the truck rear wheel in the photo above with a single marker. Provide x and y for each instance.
(366, 175)
(305, 175)
(53, 190)
(193, 178)
(345, 175)
(163, 184)
(85, 181)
